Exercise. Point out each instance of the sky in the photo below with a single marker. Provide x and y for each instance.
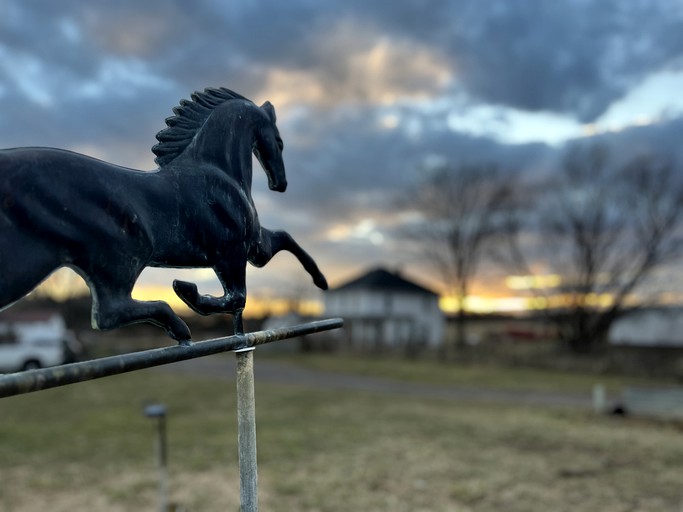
(368, 95)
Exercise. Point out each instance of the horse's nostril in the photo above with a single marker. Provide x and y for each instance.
(279, 186)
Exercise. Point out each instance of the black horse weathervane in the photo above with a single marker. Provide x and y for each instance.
(106, 222)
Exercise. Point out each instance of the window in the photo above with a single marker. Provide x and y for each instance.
(388, 302)
(7, 337)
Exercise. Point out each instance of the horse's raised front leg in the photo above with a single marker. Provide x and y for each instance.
(273, 242)
(234, 292)
(234, 296)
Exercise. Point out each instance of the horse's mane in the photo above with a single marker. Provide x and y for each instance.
(189, 117)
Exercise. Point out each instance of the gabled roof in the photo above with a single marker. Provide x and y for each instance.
(383, 280)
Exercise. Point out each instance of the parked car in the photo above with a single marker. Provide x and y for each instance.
(35, 340)
(20, 353)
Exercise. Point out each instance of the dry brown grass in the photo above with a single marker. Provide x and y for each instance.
(87, 447)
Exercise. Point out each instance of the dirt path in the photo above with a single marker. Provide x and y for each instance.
(275, 372)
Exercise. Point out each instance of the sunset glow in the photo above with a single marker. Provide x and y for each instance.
(257, 307)
(65, 284)
(533, 282)
(483, 305)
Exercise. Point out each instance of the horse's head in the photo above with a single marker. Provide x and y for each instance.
(268, 149)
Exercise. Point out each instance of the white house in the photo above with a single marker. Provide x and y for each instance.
(381, 308)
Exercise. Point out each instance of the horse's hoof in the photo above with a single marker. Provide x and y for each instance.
(186, 291)
(179, 331)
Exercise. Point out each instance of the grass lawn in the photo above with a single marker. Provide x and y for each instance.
(88, 447)
(470, 375)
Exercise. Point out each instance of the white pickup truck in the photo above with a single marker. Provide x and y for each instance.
(38, 343)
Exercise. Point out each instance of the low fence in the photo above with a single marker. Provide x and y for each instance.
(242, 344)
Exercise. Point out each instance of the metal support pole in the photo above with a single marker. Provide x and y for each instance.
(599, 399)
(246, 430)
(158, 411)
(163, 465)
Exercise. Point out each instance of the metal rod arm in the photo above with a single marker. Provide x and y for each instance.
(46, 378)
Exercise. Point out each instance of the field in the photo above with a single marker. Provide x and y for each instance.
(88, 447)
(468, 375)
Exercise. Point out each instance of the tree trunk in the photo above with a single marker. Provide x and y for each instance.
(461, 325)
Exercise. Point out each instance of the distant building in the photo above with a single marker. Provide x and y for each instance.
(652, 327)
(383, 309)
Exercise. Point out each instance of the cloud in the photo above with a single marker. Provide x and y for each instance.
(661, 138)
(569, 57)
(380, 72)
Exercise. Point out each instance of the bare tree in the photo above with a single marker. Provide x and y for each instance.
(459, 210)
(604, 229)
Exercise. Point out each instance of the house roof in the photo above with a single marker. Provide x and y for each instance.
(381, 279)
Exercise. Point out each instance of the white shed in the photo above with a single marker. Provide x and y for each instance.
(381, 308)
(652, 327)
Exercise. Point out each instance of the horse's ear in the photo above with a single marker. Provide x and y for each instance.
(269, 109)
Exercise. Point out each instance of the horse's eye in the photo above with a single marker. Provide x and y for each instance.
(280, 144)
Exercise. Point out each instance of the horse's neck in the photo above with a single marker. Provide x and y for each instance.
(233, 157)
